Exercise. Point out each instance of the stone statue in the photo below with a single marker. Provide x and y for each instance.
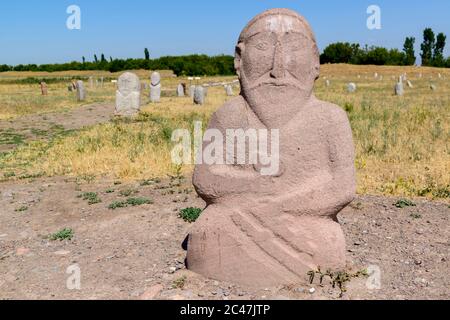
(128, 95)
(260, 230)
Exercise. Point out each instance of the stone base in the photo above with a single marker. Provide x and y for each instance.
(238, 247)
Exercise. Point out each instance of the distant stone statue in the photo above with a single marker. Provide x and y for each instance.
(180, 90)
(351, 87)
(91, 83)
(229, 90)
(81, 91)
(191, 91)
(268, 230)
(155, 87)
(44, 89)
(399, 89)
(128, 95)
(199, 95)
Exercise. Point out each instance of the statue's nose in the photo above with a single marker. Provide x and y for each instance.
(278, 70)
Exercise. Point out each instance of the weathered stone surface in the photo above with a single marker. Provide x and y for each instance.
(191, 91)
(44, 89)
(180, 90)
(270, 230)
(399, 89)
(229, 90)
(199, 95)
(409, 83)
(128, 95)
(81, 91)
(91, 82)
(351, 87)
(155, 87)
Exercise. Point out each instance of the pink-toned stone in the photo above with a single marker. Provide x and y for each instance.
(22, 251)
(44, 89)
(263, 231)
(152, 292)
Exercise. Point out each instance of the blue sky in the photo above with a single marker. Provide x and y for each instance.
(35, 31)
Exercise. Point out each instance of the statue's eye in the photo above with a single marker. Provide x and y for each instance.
(262, 46)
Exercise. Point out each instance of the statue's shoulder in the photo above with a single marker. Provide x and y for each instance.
(330, 112)
(231, 114)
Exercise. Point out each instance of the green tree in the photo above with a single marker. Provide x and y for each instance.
(147, 54)
(84, 60)
(427, 47)
(95, 58)
(103, 59)
(438, 54)
(340, 52)
(408, 49)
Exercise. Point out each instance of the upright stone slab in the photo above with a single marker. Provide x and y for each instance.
(81, 91)
(229, 90)
(180, 90)
(91, 83)
(191, 91)
(128, 95)
(267, 223)
(399, 89)
(327, 83)
(199, 95)
(155, 87)
(44, 89)
(409, 83)
(351, 87)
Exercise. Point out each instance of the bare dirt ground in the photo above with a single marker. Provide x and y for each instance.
(136, 253)
(36, 126)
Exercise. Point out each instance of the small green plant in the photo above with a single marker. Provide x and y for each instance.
(65, 234)
(138, 201)
(179, 283)
(91, 197)
(338, 278)
(128, 192)
(403, 203)
(22, 209)
(150, 182)
(349, 107)
(110, 191)
(117, 204)
(129, 202)
(190, 214)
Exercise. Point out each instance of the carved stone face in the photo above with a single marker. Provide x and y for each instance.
(277, 62)
(128, 83)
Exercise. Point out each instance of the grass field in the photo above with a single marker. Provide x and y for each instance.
(402, 143)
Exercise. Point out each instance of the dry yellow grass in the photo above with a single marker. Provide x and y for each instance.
(402, 143)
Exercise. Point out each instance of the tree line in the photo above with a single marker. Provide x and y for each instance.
(432, 52)
(189, 65)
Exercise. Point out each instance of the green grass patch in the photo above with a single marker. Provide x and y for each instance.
(190, 214)
(65, 234)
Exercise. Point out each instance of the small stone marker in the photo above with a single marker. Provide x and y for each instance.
(229, 90)
(155, 87)
(410, 85)
(180, 90)
(327, 83)
(433, 87)
(375, 75)
(351, 87)
(81, 91)
(191, 91)
(399, 90)
(91, 82)
(44, 89)
(199, 95)
(128, 95)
